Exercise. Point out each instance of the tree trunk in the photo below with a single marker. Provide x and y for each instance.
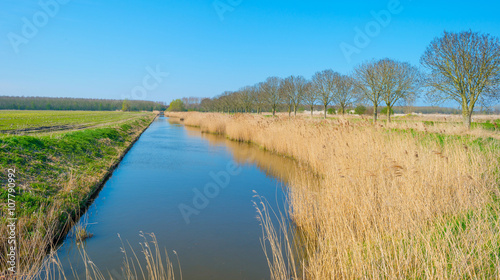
(389, 114)
(467, 116)
(295, 110)
(312, 108)
(375, 108)
(325, 111)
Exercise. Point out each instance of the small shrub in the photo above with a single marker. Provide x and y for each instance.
(360, 110)
(176, 106)
(384, 111)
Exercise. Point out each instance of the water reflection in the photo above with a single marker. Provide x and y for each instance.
(161, 172)
(287, 170)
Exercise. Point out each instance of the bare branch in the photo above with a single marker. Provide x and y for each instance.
(463, 67)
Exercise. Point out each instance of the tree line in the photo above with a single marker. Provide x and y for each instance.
(83, 104)
(463, 67)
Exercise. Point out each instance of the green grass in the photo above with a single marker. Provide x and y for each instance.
(484, 144)
(42, 121)
(488, 125)
(64, 169)
(42, 161)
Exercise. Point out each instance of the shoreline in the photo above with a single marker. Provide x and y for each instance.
(57, 241)
(75, 167)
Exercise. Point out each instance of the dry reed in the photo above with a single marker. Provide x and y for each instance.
(392, 203)
(152, 267)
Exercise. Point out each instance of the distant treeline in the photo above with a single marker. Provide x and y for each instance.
(64, 103)
(203, 105)
(425, 110)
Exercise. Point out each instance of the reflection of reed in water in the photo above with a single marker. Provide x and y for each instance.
(281, 233)
(174, 121)
(288, 171)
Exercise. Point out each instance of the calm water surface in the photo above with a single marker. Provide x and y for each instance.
(164, 170)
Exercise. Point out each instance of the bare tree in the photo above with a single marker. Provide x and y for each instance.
(401, 82)
(369, 83)
(345, 92)
(226, 102)
(220, 104)
(260, 98)
(294, 88)
(238, 101)
(464, 67)
(323, 83)
(191, 103)
(286, 98)
(389, 81)
(248, 98)
(271, 89)
(310, 96)
(207, 104)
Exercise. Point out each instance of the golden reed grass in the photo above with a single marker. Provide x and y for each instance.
(391, 203)
(150, 265)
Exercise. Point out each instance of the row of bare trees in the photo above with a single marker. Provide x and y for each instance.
(463, 67)
(384, 80)
(389, 81)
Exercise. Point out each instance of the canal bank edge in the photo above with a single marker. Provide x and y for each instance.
(96, 189)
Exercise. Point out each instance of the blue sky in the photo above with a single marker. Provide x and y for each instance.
(108, 49)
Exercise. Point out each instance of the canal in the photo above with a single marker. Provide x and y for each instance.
(195, 192)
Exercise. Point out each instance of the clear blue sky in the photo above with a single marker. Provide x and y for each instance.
(102, 49)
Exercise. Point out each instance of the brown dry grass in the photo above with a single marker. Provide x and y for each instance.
(154, 265)
(391, 204)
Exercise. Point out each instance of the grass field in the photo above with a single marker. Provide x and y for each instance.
(406, 200)
(23, 122)
(57, 173)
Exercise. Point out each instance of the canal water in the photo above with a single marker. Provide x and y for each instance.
(195, 192)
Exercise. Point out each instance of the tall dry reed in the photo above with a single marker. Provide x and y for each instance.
(392, 203)
(150, 264)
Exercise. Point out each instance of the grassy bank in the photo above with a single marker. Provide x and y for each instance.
(400, 201)
(57, 174)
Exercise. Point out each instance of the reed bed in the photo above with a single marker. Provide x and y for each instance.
(395, 201)
(149, 264)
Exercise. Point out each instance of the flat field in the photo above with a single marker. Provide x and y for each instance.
(24, 122)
